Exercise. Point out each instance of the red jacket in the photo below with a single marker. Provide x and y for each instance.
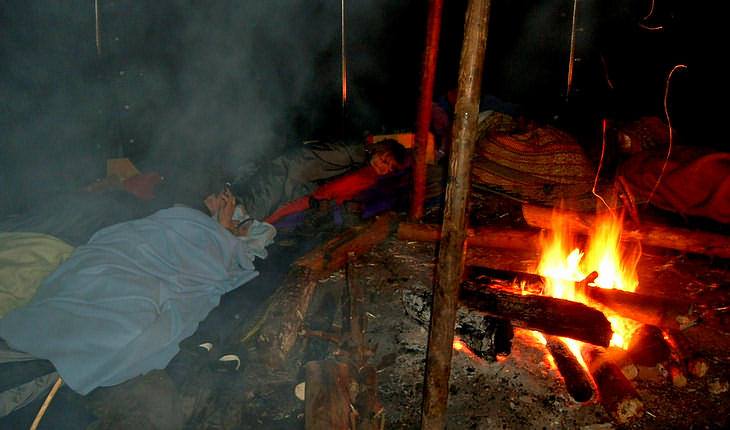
(342, 189)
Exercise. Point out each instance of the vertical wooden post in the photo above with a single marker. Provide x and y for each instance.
(423, 122)
(450, 265)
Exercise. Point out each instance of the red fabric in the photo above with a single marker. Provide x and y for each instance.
(340, 190)
(298, 205)
(143, 185)
(694, 183)
(348, 186)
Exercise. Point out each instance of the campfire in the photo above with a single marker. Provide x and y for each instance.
(599, 272)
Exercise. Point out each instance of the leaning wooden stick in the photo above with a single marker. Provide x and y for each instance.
(46, 403)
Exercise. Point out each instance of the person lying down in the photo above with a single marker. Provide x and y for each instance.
(121, 304)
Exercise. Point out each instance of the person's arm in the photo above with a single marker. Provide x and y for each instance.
(295, 206)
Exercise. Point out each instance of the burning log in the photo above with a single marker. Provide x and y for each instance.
(544, 314)
(282, 324)
(618, 397)
(577, 382)
(694, 361)
(651, 310)
(648, 346)
(657, 235)
(328, 394)
(481, 237)
(622, 359)
(650, 350)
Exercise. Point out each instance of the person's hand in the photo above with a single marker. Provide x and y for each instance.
(227, 208)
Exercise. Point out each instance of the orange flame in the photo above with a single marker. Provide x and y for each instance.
(563, 263)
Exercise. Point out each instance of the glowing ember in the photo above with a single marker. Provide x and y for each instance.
(460, 346)
(563, 264)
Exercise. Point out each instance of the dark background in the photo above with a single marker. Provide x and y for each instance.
(190, 87)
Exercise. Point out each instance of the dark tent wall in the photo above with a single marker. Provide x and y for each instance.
(194, 85)
(198, 89)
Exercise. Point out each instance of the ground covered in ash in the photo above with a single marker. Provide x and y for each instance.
(522, 390)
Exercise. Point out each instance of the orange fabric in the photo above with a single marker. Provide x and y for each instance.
(694, 183)
(143, 185)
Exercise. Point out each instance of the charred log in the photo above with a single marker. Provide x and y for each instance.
(545, 314)
(577, 381)
(693, 360)
(617, 395)
(486, 336)
(648, 346)
(651, 310)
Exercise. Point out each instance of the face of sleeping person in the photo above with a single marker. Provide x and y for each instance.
(222, 207)
(383, 163)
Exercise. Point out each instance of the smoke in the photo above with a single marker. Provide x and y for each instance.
(197, 90)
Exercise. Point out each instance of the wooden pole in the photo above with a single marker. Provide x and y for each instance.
(423, 122)
(450, 265)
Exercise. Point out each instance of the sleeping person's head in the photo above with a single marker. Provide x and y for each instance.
(223, 208)
(388, 156)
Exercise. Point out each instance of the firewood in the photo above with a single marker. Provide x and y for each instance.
(493, 258)
(622, 359)
(486, 337)
(661, 236)
(329, 390)
(577, 381)
(545, 314)
(653, 310)
(659, 311)
(480, 237)
(617, 395)
(281, 325)
(694, 361)
(650, 349)
(370, 411)
(360, 239)
(648, 346)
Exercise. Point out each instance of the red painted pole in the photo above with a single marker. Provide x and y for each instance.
(423, 120)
